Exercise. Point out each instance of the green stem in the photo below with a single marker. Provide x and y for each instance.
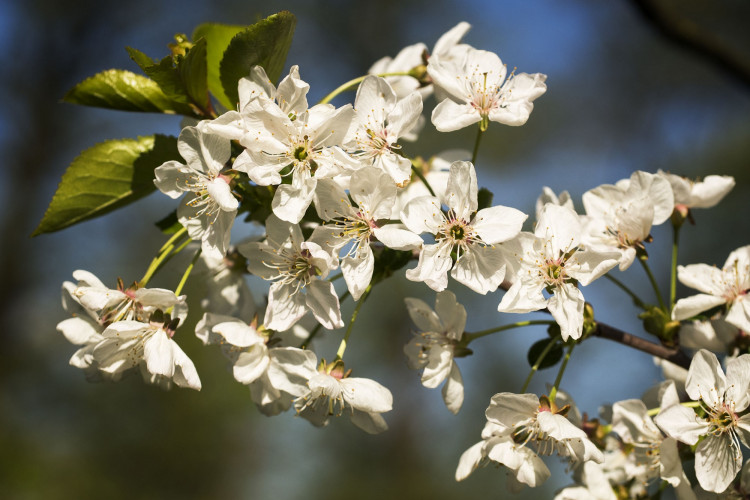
(187, 272)
(653, 283)
(422, 178)
(539, 362)
(627, 290)
(162, 257)
(352, 84)
(673, 274)
(177, 235)
(564, 365)
(480, 132)
(473, 336)
(688, 404)
(345, 340)
(335, 277)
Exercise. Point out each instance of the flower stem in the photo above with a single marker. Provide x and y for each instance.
(480, 131)
(422, 178)
(345, 340)
(352, 84)
(653, 283)
(474, 336)
(162, 257)
(187, 272)
(627, 290)
(564, 365)
(539, 362)
(673, 274)
(687, 404)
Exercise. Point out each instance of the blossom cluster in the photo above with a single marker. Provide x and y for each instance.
(343, 192)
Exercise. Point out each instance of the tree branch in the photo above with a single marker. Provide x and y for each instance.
(686, 34)
(675, 356)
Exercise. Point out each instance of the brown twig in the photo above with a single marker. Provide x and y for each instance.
(673, 355)
(688, 35)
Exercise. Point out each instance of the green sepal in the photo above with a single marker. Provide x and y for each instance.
(658, 322)
(125, 91)
(105, 177)
(265, 43)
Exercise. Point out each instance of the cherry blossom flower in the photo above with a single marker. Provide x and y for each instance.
(291, 140)
(380, 120)
(130, 344)
(698, 194)
(515, 424)
(723, 398)
(209, 210)
(653, 456)
(433, 346)
(478, 91)
(620, 216)
(290, 96)
(471, 234)
(413, 57)
(108, 305)
(332, 392)
(554, 260)
(275, 375)
(727, 286)
(353, 227)
(298, 269)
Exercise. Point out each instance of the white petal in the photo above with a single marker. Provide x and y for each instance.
(322, 300)
(449, 116)
(453, 390)
(717, 462)
(469, 461)
(566, 306)
(497, 224)
(692, 306)
(706, 379)
(398, 239)
(219, 190)
(366, 395)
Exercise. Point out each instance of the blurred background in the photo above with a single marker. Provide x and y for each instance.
(622, 96)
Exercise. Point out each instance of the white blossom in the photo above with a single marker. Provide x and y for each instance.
(478, 91)
(352, 228)
(332, 392)
(130, 344)
(718, 457)
(726, 286)
(209, 210)
(553, 259)
(380, 120)
(433, 346)
(298, 269)
(470, 233)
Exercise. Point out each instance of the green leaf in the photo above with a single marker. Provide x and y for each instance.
(181, 78)
(552, 357)
(140, 58)
(125, 91)
(169, 224)
(105, 177)
(217, 38)
(265, 43)
(193, 70)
